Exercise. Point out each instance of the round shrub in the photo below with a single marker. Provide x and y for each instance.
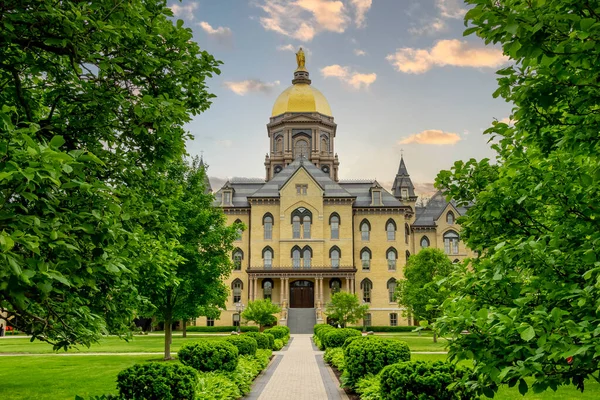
(261, 339)
(337, 337)
(157, 381)
(350, 340)
(271, 340)
(279, 332)
(278, 345)
(209, 356)
(424, 381)
(321, 331)
(245, 344)
(369, 354)
(318, 327)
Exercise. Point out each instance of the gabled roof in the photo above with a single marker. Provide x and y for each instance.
(428, 215)
(362, 191)
(403, 181)
(241, 191)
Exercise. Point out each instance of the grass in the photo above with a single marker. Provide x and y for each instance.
(418, 343)
(110, 344)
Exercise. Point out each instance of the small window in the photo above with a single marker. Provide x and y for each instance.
(267, 258)
(334, 222)
(451, 242)
(236, 319)
(296, 227)
(394, 319)
(238, 256)
(227, 198)
(239, 231)
(391, 257)
(267, 286)
(390, 229)
(407, 255)
(406, 233)
(367, 320)
(424, 242)
(306, 223)
(450, 218)
(391, 285)
(237, 290)
(301, 190)
(210, 321)
(365, 258)
(306, 257)
(334, 254)
(365, 229)
(296, 258)
(404, 194)
(268, 226)
(367, 287)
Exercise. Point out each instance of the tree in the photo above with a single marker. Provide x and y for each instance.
(345, 308)
(192, 281)
(261, 312)
(93, 101)
(421, 292)
(530, 300)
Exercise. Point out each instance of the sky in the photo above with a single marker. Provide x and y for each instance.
(398, 74)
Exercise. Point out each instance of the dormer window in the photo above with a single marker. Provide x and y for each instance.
(376, 197)
(404, 194)
(227, 197)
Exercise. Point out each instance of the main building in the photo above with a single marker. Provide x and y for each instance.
(310, 234)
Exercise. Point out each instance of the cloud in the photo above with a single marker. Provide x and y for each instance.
(361, 7)
(446, 52)
(224, 143)
(429, 27)
(286, 47)
(451, 8)
(345, 74)
(360, 52)
(432, 136)
(304, 19)
(184, 10)
(250, 86)
(222, 34)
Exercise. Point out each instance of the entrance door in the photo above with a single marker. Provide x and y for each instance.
(302, 294)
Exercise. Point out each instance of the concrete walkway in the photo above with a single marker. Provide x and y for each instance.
(298, 373)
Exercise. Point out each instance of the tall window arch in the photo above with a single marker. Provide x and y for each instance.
(390, 229)
(365, 229)
(301, 257)
(237, 285)
(267, 286)
(450, 218)
(268, 226)
(391, 286)
(306, 257)
(451, 242)
(367, 287)
(335, 284)
(324, 144)
(237, 256)
(296, 227)
(407, 255)
(267, 254)
(301, 223)
(279, 144)
(424, 242)
(406, 233)
(334, 224)
(365, 259)
(306, 221)
(335, 254)
(391, 255)
(301, 148)
(239, 231)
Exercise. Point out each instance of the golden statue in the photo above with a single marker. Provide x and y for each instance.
(300, 59)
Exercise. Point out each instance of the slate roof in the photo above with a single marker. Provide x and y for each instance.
(362, 191)
(428, 215)
(241, 191)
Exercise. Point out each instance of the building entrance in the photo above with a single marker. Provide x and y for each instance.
(302, 294)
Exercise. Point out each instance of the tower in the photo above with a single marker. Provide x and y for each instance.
(403, 188)
(301, 125)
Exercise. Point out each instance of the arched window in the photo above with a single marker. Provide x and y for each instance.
(324, 144)
(296, 227)
(367, 287)
(451, 242)
(306, 223)
(407, 255)
(334, 223)
(267, 286)
(301, 222)
(239, 231)
(279, 144)
(365, 229)
(306, 257)
(335, 254)
(238, 256)
(406, 233)
(268, 226)
(450, 218)
(390, 228)
(391, 285)
(296, 256)
(365, 259)
(391, 255)
(301, 148)
(335, 285)
(237, 287)
(424, 242)
(267, 257)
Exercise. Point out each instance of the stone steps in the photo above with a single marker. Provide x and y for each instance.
(301, 320)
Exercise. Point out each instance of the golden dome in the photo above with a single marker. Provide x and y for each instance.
(301, 97)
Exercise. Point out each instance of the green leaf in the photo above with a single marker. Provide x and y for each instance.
(523, 388)
(57, 141)
(528, 334)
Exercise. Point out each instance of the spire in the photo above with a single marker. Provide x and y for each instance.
(301, 73)
(204, 166)
(402, 168)
(403, 188)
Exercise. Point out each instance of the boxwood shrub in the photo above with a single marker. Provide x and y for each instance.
(424, 381)
(334, 356)
(350, 340)
(385, 328)
(157, 381)
(271, 340)
(322, 329)
(246, 345)
(278, 345)
(369, 354)
(209, 356)
(261, 339)
(279, 332)
(337, 337)
(217, 329)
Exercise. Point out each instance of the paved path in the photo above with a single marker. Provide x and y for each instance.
(298, 373)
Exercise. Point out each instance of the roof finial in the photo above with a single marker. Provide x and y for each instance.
(301, 73)
(300, 60)
(401, 153)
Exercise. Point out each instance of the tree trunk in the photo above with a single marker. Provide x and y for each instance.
(434, 337)
(185, 328)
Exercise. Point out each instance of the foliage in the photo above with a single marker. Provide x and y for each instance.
(278, 332)
(318, 343)
(246, 345)
(337, 337)
(321, 330)
(351, 339)
(278, 345)
(530, 301)
(209, 356)
(93, 103)
(318, 327)
(335, 356)
(369, 388)
(345, 308)
(245, 372)
(425, 381)
(271, 340)
(369, 354)
(385, 328)
(214, 329)
(261, 339)
(216, 386)
(157, 381)
(261, 312)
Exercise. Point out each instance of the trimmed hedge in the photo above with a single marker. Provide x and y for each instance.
(216, 329)
(337, 337)
(369, 354)
(279, 332)
(385, 328)
(271, 340)
(350, 340)
(209, 356)
(154, 381)
(246, 345)
(278, 345)
(261, 340)
(424, 381)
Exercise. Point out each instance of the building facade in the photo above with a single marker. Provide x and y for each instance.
(310, 234)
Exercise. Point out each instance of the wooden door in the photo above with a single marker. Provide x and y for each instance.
(302, 294)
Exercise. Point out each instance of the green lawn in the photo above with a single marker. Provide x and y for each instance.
(111, 344)
(416, 342)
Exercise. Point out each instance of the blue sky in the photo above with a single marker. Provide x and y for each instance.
(398, 74)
